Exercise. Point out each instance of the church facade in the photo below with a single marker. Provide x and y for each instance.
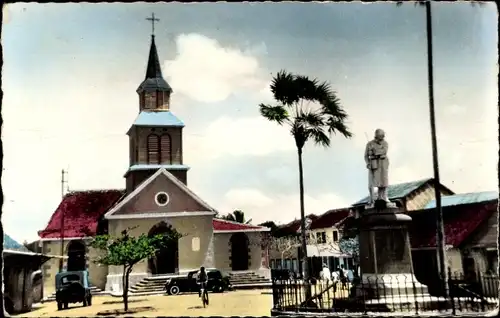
(156, 199)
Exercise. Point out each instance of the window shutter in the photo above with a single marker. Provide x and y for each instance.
(153, 149)
(166, 149)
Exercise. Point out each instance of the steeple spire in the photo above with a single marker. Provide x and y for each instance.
(153, 69)
(154, 82)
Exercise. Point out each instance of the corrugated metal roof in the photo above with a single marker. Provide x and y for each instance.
(459, 222)
(399, 190)
(158, 119)
(464, 198)
(10, 244)
(156, 167)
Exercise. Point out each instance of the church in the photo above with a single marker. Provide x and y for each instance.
(156, 199)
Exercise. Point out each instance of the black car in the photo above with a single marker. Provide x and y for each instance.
(72, 287)
(187, 284)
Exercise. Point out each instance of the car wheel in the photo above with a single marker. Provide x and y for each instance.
(218, 289)
(59, 305)
(174, 290)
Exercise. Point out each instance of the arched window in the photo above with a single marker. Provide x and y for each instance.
(166, 149)
(153, 149)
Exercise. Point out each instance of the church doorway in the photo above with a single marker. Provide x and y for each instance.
(76, 256)
(166, 260)
(239, 252)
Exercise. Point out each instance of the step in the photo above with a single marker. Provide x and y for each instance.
(252, 276)
(141, 283)
(145, 289)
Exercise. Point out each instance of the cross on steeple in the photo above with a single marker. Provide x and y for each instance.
(153, 20)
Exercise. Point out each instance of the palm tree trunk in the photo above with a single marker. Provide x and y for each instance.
(305, 265)
(439, 212)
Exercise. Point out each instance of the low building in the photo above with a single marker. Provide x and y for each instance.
(470, 230)
(323, 236)
(410, 196)
(22, 276)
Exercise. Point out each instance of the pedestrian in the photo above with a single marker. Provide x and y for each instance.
(342, 276)
(325, 273)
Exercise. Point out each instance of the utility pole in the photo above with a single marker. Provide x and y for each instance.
(63, 181)
(440, 246)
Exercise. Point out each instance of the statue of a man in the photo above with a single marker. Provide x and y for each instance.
(377, 163)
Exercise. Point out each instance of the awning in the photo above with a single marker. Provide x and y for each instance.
(323, 251)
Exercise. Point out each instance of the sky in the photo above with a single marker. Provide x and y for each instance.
(71, 71)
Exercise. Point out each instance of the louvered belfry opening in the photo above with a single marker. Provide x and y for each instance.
(166, 149)
(153, 149)
(159, 149)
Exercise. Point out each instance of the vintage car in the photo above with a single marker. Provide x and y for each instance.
(72, 287)
(187, 284)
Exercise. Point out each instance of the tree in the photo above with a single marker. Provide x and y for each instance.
(350, 246)
(236, 216)
(126, 251)
(271, 225)
(294, 95)
(285, 246)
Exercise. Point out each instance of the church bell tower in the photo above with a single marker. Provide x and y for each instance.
(156, 134)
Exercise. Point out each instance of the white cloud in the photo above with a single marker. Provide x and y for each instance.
(247, 197)
(205, 71)
(238, 137)
(278, 208)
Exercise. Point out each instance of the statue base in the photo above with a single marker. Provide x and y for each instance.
(385, 254)
(390, 286)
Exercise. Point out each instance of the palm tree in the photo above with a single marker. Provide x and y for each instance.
(236, 216)
(313, 112)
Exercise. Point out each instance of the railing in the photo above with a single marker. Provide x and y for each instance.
(387, 293)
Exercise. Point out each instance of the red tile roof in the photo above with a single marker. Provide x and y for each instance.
(329, 218)
(223, 225)
(459, 223)
(294, 226)
(82, 210)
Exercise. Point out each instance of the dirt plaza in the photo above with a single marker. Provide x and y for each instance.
(236, 303)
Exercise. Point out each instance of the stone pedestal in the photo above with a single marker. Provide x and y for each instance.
(385, 253)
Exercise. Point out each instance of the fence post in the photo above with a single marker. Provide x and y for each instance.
(297, 289)
(274, 289)
(451, 292)
(415, 295)
(481, 291)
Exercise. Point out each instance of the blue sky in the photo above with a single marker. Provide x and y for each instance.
(71, 71)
